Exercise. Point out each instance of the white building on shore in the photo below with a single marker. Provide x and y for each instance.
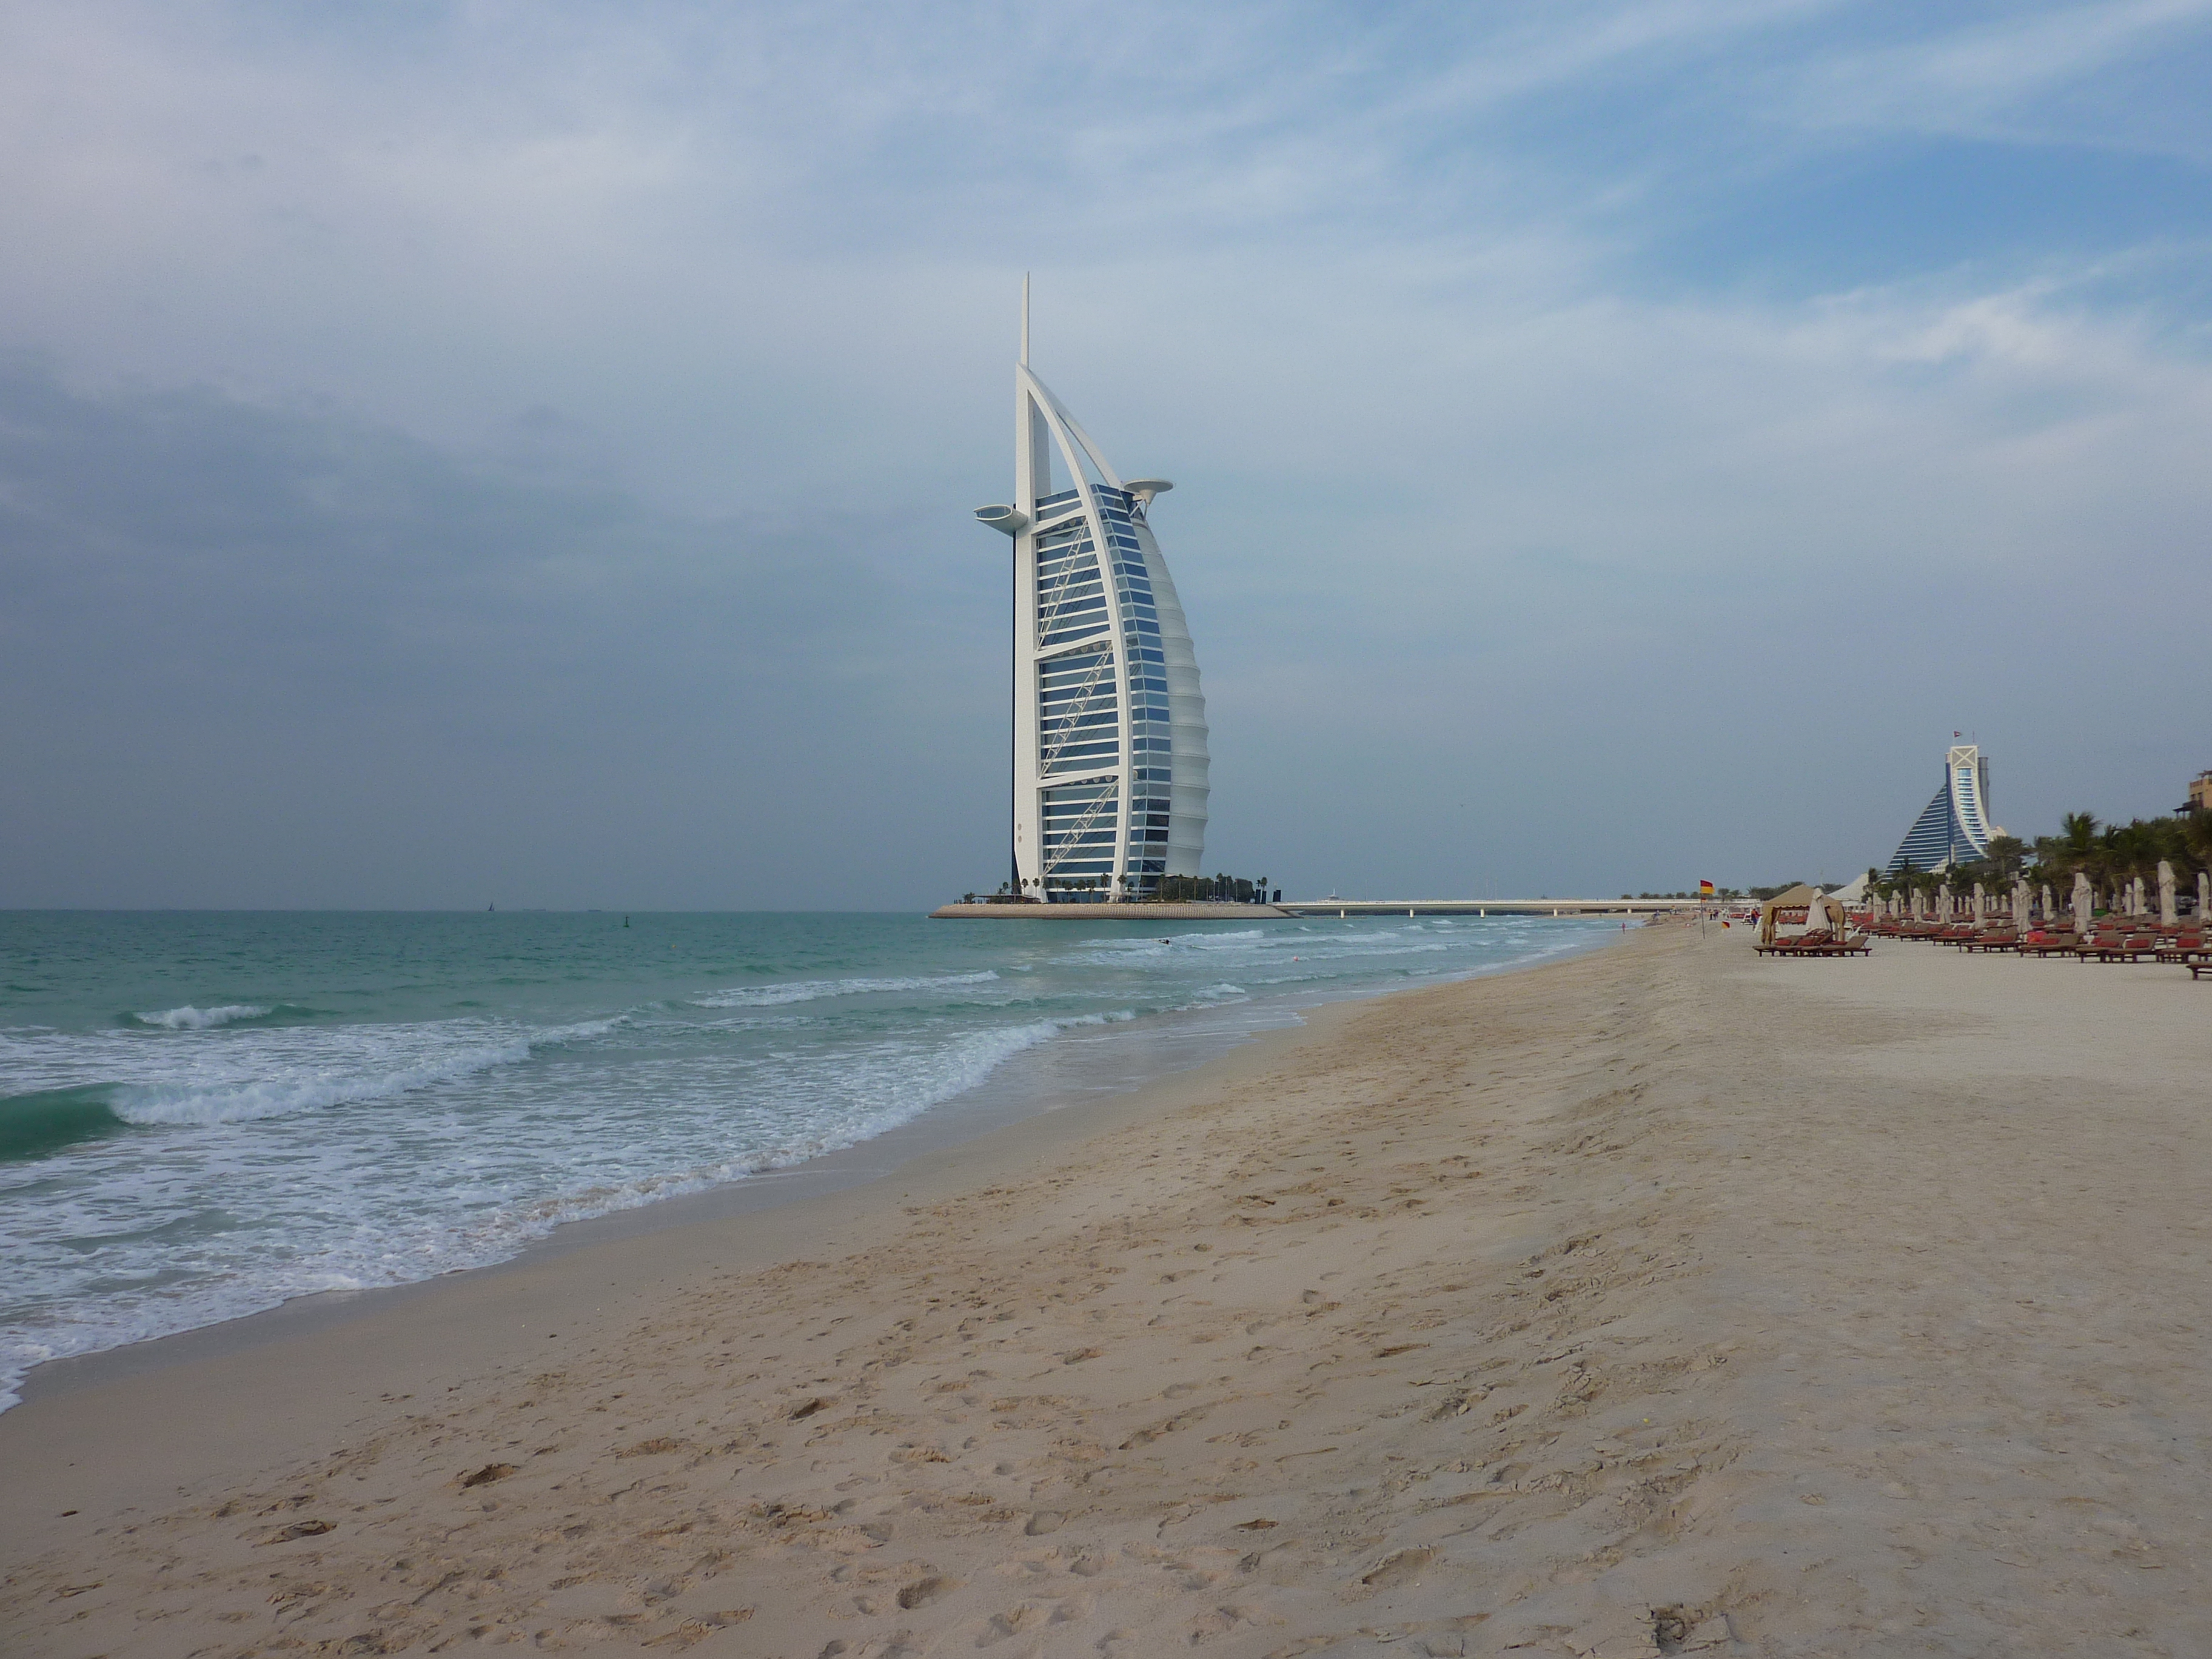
(1954, 828)
(1109, 759)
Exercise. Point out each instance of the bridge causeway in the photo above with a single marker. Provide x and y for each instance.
(1214, 911)
(1535, 907)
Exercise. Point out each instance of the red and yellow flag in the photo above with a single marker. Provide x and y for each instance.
(1704, 890)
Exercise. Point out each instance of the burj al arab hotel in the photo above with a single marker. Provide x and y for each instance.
(1109, 755)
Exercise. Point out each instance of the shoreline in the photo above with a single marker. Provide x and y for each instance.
(921, 1141)
(939, 1129)
(417, 1335)
(1651, 1300)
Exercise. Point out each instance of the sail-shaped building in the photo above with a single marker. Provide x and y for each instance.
(1110, 756)
(1954, 828)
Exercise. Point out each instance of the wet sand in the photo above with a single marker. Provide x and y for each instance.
(1659, 1300)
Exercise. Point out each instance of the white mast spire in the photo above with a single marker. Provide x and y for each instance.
(1025, 319)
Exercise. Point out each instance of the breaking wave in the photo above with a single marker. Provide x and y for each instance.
(238, 1101)
(813, 990)
(201, 1019)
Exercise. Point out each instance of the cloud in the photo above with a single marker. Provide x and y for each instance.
(1998, 78)
(554, 426)
(261, 656)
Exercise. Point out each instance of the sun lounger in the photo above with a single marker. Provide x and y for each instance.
(2132, 947)
(1818, 942)
(2188, 946)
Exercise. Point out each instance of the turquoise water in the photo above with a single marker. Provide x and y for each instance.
(202, 1114)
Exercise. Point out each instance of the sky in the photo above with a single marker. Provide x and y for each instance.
(454, 454)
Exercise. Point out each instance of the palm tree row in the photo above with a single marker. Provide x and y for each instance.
(2111, 855)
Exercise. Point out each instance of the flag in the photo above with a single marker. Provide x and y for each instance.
(1704, 890)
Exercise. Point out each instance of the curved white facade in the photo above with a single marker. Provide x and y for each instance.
(1954, 827)
(1110, 720)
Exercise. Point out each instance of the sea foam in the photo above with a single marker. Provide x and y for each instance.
(310, 1088)
(813, 990)
(202, 1019)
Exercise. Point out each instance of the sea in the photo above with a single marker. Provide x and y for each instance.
(205, 1114)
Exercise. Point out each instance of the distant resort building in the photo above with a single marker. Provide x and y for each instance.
(1954, 828)
(1109, 722)
(2200, 796)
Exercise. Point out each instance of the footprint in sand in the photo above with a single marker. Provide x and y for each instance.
(1224, 1619)
(1403, 1568)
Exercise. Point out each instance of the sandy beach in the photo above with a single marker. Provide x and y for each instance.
(1659, 1300)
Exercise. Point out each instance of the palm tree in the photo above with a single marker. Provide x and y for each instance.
(2007, 854)
(2131, 850)
(2195, 836)
(2077, 848)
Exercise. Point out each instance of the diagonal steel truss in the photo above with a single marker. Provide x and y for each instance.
(1080, 704)
(1109, 796)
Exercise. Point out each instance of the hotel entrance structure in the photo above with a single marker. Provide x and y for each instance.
(1954, 828)
(1110, 756)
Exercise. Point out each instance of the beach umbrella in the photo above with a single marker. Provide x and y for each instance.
(2049, 907)
(2085, 903)
(1981, 905)
(2020, 902)
(2167, 914)
(2203, 897)
(1942, 901)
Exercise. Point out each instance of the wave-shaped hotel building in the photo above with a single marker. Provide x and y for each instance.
(1109, 722)
(1954, 828)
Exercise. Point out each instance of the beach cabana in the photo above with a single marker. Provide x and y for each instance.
(1800, 907)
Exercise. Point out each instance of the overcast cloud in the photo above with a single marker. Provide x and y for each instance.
(464, 452)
